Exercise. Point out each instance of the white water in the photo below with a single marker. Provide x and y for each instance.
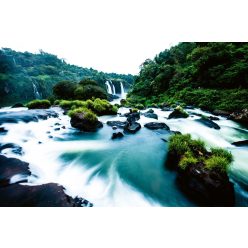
(127, 172)
(109, 89)
(123, 94)
(113, 87)
(36, 92)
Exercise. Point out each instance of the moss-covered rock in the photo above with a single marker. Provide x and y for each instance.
(38, 104)
(202, 175)
(178, 112)
(84, 120)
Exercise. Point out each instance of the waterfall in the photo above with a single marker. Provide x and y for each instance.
(113, 87)
(122, 90)
(109, 89)
(37, 95)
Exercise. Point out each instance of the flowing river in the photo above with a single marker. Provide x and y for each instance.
(125, 172)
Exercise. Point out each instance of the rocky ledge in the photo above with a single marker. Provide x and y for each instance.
(13, 194)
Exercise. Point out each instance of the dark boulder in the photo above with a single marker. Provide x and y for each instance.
(3, 130)
(119, 124)
(81, 122)
(240, 143)
(150, 111)
(151, 115)
(117, 135)
(206, 187)
(18, 105)
(241, 116)
(132, 116)
(10, 167)
(14, 148)
(132, 127)
(208, 123)
(57, 129)
(156, 125)
(213, 118)
(178, 113)
(45, 195)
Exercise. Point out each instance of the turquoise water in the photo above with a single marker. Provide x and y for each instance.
(125, 172)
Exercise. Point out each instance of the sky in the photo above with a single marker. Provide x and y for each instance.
(108, 35)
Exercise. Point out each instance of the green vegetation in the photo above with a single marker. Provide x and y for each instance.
(39, 104)
(210, 75)
(21, 74)
(98, 106)
(88, 114)
(190, 152)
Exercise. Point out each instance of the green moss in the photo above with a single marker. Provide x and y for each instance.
(103, 107)
(182, 111)
(187, 160)
(217, 163)
(139, 106)
(72, 104)
(39, 104)
(88, 114)
(189, 152)
(222, 153)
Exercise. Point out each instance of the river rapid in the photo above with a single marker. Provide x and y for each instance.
(123, 172)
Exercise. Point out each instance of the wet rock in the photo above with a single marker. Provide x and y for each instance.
(18, 105)
(241, 116)
(27, 116)
(57, 124)
(206, 187)
(132, 116)
(63, 127)
(81, 122)
(16, 195)
(39, 142)
(10, 167)
(50, 136)
(240, 143)
(150, 111)
(3, 130)
(56, 129)
(14, 148)
(221, 113)
(178, 113)
(214, 118)
(132, 127)
(114, 127)
(117, 135)
(150, 115)
(119, 124)
(208, 123)
(156, 125)
(45, 195)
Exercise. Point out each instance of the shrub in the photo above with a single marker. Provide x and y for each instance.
(218, 163)
(89, 91)
(179, 144)
(56, 102)
(103, 107)
(64, 90)
(65, 104)
(39, 104)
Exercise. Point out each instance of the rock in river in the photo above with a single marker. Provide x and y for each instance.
(156, 125)
(132, 127)
(208, 123)
(119, 124)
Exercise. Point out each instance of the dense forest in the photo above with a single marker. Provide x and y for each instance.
(25, 76)
(208, 75)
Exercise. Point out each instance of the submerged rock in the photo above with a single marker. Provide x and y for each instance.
(151, 115)
(214, 118)
(117, 135)
(81, 122)
(240, 143)
(118, 124)
(132, 128)
(14, 148)
(208, 123)
(3, 130)
(27, 116)
(156, 125)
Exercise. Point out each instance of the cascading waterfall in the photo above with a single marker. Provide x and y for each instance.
(109, 89)
(36, 92)
(113, 87)
(122, 90)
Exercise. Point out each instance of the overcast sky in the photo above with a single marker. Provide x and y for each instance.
(108, 35)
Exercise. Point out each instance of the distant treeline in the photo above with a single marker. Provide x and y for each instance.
(25, 76)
